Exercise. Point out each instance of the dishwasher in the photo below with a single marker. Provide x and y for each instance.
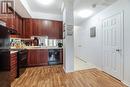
(54, 56)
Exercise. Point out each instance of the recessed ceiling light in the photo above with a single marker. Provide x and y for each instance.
(45, 2)
(85, 13)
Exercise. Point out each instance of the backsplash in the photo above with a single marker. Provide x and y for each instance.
(42, 41)
(16, 42)
(54, 42)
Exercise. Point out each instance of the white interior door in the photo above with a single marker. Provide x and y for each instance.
(113, 45)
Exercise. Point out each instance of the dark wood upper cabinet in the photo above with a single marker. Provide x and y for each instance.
(14, 21)
(35, 27)
(27, 28)
(9, 22)
(52, 29)
(55, 30)
(58, 29)
(20, 26)
(43, 28)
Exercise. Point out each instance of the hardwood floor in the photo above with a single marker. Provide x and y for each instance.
(54, 76)
(4, 79)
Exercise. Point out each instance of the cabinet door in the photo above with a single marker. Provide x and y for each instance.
(27, 28)
(50, 29)
(31, 58)
(28, 31)
(55, 30)
(3, 18)
(42, 57)
(20, 26)
(38, 57)
(13, 66)
(39, 27)
(23, 28)
(44, 27)
(16, 20)
(61, 56)
(9, 22)
(35, 27)
(61, 30)
(58, 30)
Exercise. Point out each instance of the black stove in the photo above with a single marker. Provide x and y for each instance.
(21, 61)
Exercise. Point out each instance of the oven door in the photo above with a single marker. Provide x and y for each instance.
(22, 62)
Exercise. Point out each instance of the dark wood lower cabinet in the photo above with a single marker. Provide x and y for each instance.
(61, 56)
(37, 57)
(13, 66)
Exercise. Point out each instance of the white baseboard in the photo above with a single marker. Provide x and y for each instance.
(67, 71)
(89, 62)
(126, 83)
(99, 68)
(63, 68)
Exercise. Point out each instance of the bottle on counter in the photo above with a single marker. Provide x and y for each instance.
(36, 41)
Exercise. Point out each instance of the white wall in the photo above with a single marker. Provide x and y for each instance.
(76, 32)
(68, 42)
(48, 16)
(91, 48)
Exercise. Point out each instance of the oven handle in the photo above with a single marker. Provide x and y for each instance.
(24, 58)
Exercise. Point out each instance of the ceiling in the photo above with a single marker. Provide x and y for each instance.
(94, 5)
(37, 10)
(33, 9)
(55, 8)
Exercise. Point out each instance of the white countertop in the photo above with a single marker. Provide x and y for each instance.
(11, 52)
(38, 47)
